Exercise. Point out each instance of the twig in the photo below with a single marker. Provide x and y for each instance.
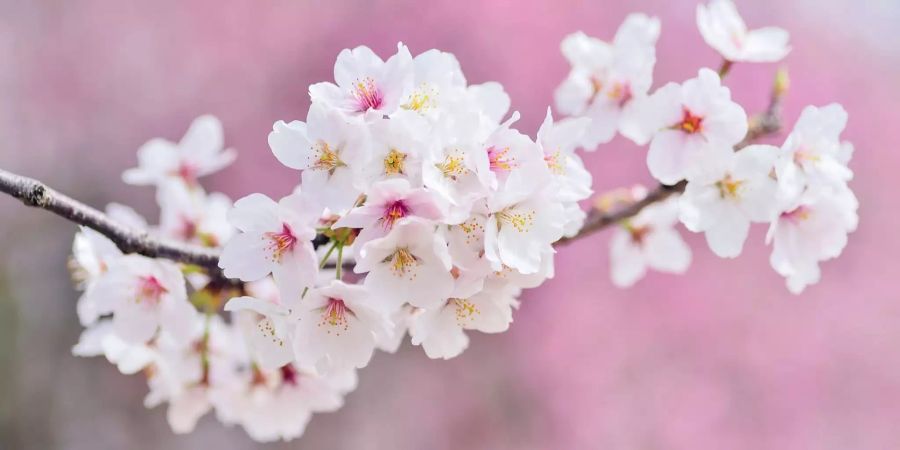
(37, 194)
(762, 125)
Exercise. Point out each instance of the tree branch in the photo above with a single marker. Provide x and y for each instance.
(36, 194)
(766, 124)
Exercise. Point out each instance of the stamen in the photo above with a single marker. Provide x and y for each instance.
(638, 234)
(421, 100)
(325, 158)
(521, 221)
(690, 123)
(334, 316)
(620, 93)
(396, 211)
(280, 242)
(729, 187)
(798, 214)
(367, 95)
(555, 162)
(466, 311)
(402, 263)
(596, 88)
(499, 159)
(452, 167)
(394, 162)
(150, 290)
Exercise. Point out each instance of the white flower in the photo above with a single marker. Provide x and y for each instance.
(191, 215)
(507, 152)
(438, 81)
(387, 203)
(525, 220)
(724, 30)
(571, 179)
(277, 404)
(275, 238)
(338, 327)
(454, 169)
(813, 153)
(693, 124)
(398, 146)
(441, 330)
(815, 229)
(607, 80)
(100, 338)
(648, 240)
(367, 83)
(329, 149)
(270, 334)
(144, 295)
(409, 265)
(723, 201)
(199, 153)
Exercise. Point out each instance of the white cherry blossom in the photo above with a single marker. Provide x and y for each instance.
(525, 220)
(199, 153)
(143, 295)
(274, 238)
(649, 240)
(409, 265)
(814, 153)
(438, 81)
(366, 83)
(398, 146)
(723, 201)
(192, 215)
(724, 30)
(338, 327)
(330, 150)
(691, 125)
(387, 203)
(812, 230)
(573, 182)
(441, 330)
(608, 80)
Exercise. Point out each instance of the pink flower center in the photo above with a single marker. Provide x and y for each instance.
(639, 234)
(280, 242)
(621, 94)
(187, 172)
(334, 316)
(500, 159)
(690, 123)
(289, 375)
(797, 215)
(367, 95)
(150, 290)
(395, 211)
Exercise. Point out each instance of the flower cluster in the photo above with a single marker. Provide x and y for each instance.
(421, 211)
(696, 135)
(159, 318)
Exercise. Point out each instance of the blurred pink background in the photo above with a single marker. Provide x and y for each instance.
(721, 358)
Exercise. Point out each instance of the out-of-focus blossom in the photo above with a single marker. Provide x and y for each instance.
(199, 153)
(724, 30)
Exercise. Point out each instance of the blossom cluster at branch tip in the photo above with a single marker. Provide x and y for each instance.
(421, 211)
(696, 134)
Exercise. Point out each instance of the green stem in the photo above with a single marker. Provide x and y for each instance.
(327, 255)
(340, 261)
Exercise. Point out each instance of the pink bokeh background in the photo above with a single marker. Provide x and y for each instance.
(720, 358)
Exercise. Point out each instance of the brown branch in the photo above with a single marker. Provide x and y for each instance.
(36, 194)
(766, 124)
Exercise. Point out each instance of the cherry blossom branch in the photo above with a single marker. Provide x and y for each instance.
(37, 194)
(766, 124)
